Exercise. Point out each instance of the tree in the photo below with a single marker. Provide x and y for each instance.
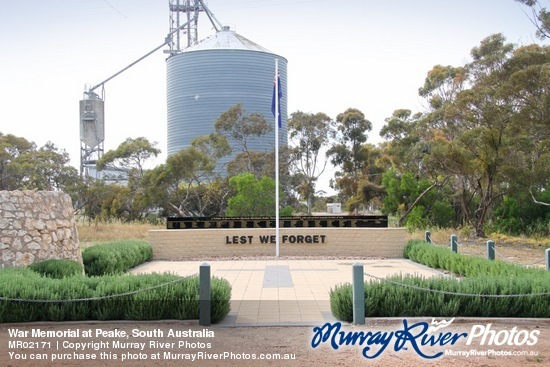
(309, 134)
(46, 169)
(527, 80)
(540, 17)
(12, 147)
(130, 156)
(22, 166)
(187, 184)
(408, 194)
(351, 153)
(239, 127)
(408, 141)
(260, 164)
(252, 197)
(494, 121)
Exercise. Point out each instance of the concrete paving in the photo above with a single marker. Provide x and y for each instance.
(284, 292)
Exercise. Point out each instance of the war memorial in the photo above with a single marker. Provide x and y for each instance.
(359, 236)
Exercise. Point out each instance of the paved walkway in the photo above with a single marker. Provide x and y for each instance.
(284, 292)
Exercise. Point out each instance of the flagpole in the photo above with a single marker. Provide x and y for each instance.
(276, 158)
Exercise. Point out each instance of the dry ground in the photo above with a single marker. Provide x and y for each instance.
(293, 341)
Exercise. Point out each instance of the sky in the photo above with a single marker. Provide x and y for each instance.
(366, 54)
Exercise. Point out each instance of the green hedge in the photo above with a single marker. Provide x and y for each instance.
(483, 277)
(179, 300)
(460, 264)
(116, 257)
(383, 299)
(56, 268)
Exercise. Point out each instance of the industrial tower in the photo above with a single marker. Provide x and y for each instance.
(184, 16)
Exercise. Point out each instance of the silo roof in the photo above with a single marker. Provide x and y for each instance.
(227, 39)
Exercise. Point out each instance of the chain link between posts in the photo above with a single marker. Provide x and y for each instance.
(456, 293)
(509, 260)
(92, 298)
(484, 252)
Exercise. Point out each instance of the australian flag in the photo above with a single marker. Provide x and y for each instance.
(277, 87)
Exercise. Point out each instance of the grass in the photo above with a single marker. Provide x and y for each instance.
(103, 232)
(517, 250)
(467, 234)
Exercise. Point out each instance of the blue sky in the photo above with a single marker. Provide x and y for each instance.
(371, 55)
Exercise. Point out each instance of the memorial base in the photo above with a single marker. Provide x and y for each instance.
(174, 244)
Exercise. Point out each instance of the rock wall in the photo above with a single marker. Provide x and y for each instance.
(36, 226)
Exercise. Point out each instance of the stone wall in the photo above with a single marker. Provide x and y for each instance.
(173, 244)
(36, 226)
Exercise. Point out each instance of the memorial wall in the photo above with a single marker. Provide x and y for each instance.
(352, 236)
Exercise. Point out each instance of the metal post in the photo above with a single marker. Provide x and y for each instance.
(204, 295)
(491, 250)
(454, 243)
(428, 237)
(547, 253)
(358, 294)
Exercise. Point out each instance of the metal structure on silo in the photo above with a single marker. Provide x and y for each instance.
(92, 133)
(208, 78)
(203, 80)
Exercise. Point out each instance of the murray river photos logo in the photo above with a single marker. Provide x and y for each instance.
(418, 337)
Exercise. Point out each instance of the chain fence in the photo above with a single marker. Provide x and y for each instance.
(510, 260)
(93, 298)
(483, 252)
(456, 293)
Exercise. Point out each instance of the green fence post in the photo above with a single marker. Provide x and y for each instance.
(491, 250)
(428, 237)
(358, 294)
(454, 243)
(204, 295)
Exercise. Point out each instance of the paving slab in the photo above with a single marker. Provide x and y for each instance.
(284, 292)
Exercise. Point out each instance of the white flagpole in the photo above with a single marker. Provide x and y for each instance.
(277, 157)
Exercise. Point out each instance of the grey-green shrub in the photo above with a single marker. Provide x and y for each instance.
(116, 257)
(483, 277)
(384, 299)
(461, 264)
(57, 268)
(177, 300)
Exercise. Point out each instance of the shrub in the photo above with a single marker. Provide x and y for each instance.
(451, 297)
(341, 302)
(56, 268)
(387, 299)
(460, 264)
(116, 257)
(177, 298)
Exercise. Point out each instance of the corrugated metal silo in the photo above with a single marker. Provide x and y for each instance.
(207, 79)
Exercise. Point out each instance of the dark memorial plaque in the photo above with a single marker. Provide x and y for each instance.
(348, 221)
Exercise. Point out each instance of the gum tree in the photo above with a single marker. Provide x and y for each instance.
(309, 134)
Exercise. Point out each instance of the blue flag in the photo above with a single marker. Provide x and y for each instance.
(277, 82)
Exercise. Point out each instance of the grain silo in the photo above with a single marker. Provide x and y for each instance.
(207, 79)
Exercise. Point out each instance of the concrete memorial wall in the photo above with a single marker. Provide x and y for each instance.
(322, 236)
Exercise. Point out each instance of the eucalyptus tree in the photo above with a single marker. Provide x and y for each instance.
(187, 183)
(540, 17)
(350, 152)
(130, 157)
(493, 121)
(309, 135)
(239, 127)
(24, 166)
